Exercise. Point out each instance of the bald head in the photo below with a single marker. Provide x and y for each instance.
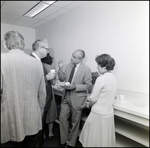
(77, 56)
(80, 53)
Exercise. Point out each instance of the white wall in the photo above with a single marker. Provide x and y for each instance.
(120, 29)
(28, 34)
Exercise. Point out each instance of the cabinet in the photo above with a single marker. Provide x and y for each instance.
(134, 134)
(128, 133)
(131, 122)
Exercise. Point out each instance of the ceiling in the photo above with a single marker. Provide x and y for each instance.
(12, 12)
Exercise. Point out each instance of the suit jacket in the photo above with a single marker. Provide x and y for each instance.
(83, 82)
(49, 90)
(23, 95)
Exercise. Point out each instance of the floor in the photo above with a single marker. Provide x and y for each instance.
(55, 141)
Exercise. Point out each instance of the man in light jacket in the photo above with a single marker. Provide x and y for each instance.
(74, 97)
(23, 94)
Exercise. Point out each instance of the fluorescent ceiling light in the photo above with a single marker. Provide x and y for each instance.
(38, 8)
(49, 2)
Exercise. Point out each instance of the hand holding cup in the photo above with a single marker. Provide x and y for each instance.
(51, 75)
(67, 83)
(53, 71)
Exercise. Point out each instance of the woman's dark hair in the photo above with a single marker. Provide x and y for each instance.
(105, 60)
(48, 59)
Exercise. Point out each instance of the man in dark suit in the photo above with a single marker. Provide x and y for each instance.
(74, 97)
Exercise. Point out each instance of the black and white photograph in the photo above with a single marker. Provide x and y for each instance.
(74, 74)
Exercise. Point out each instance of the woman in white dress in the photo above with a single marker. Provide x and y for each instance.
(99, 128)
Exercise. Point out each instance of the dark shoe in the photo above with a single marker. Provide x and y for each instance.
(50, 137)
(62, 145)
(68, 146)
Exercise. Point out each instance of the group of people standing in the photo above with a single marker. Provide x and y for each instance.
(28, 107)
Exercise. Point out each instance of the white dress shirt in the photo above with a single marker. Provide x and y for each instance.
(76, 68)
(36, 56)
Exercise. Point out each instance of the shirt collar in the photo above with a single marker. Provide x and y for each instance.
(77, 65)
(36, 56)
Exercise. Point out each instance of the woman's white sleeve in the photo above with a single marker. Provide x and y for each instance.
(96, 91)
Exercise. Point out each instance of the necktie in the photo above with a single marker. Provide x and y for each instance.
(72, 73)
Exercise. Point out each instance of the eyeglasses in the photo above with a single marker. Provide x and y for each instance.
(45, 48)
(76, 57)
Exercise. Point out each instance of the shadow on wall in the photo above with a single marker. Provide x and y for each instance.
(51, 51)
(85, 59)
(3, 50)
(28, 51)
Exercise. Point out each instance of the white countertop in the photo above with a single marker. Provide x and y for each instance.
(133, 106)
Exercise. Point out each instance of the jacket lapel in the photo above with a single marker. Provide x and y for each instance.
(79, 71)
(32, 55)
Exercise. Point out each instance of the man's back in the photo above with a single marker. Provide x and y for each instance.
(23, 95)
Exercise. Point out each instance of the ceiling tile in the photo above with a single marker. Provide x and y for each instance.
(39, 23)
(62, 3)
(18, 7)
(12, 12)
(26, 21)
(56, 14)
(8, 18)
(76, 4)
(50, 10)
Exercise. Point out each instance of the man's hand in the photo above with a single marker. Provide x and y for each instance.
(50, 75)
(60, 64)
(71, 87)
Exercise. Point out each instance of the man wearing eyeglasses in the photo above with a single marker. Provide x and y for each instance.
(40, 51)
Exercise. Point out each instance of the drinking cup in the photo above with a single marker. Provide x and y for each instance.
(121, 98)
(52, 70)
